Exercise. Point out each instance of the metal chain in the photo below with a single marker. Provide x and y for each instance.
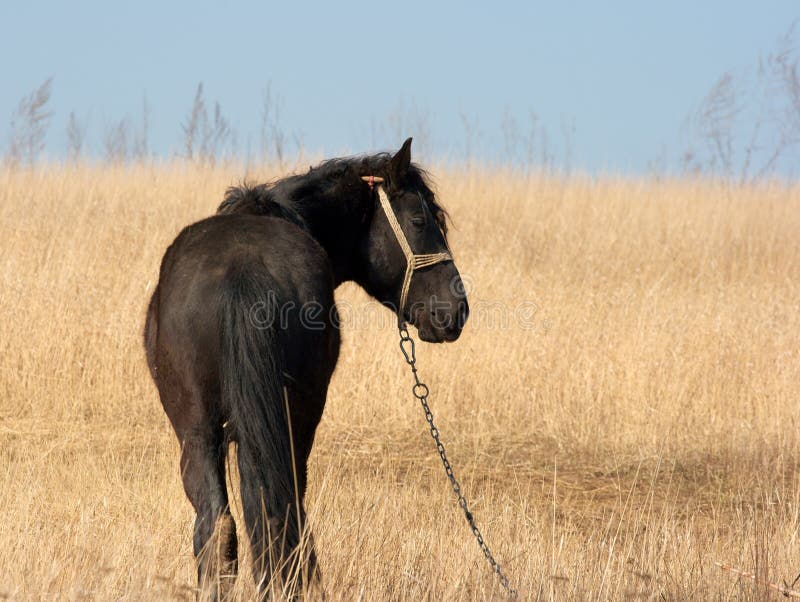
(420, 391)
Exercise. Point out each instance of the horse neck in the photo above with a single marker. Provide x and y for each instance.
(337, 227)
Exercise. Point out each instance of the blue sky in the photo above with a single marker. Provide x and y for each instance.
(614, 79)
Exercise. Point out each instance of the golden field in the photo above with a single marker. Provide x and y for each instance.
(622, 408)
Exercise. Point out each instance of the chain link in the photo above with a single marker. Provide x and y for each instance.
(420, 391)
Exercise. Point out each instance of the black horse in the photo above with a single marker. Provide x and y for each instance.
(242, 338)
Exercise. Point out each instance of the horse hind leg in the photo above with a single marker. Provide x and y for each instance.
(215, 542)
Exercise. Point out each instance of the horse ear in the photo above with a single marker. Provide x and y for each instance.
(400, 163)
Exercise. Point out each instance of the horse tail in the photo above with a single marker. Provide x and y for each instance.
(251, 377)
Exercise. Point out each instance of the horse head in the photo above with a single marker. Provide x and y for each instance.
(404, 249)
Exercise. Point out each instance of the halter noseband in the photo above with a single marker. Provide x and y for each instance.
(413, 261)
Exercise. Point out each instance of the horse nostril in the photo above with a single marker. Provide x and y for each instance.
(451, 317)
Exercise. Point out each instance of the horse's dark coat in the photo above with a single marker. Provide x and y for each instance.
(244, 307)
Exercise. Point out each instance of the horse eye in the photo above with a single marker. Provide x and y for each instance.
(418, 221)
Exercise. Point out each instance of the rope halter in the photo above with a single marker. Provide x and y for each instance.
(413, 261)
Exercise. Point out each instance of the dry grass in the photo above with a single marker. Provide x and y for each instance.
(644, 428)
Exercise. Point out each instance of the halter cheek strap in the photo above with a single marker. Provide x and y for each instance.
(413, 261)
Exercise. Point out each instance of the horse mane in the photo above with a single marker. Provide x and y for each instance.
(289, 197)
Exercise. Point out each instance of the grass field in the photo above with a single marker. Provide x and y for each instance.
(622, 408)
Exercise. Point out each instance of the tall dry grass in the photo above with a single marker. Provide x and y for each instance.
(637, 427)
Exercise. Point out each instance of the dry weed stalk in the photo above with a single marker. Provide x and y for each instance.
(784, 589)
